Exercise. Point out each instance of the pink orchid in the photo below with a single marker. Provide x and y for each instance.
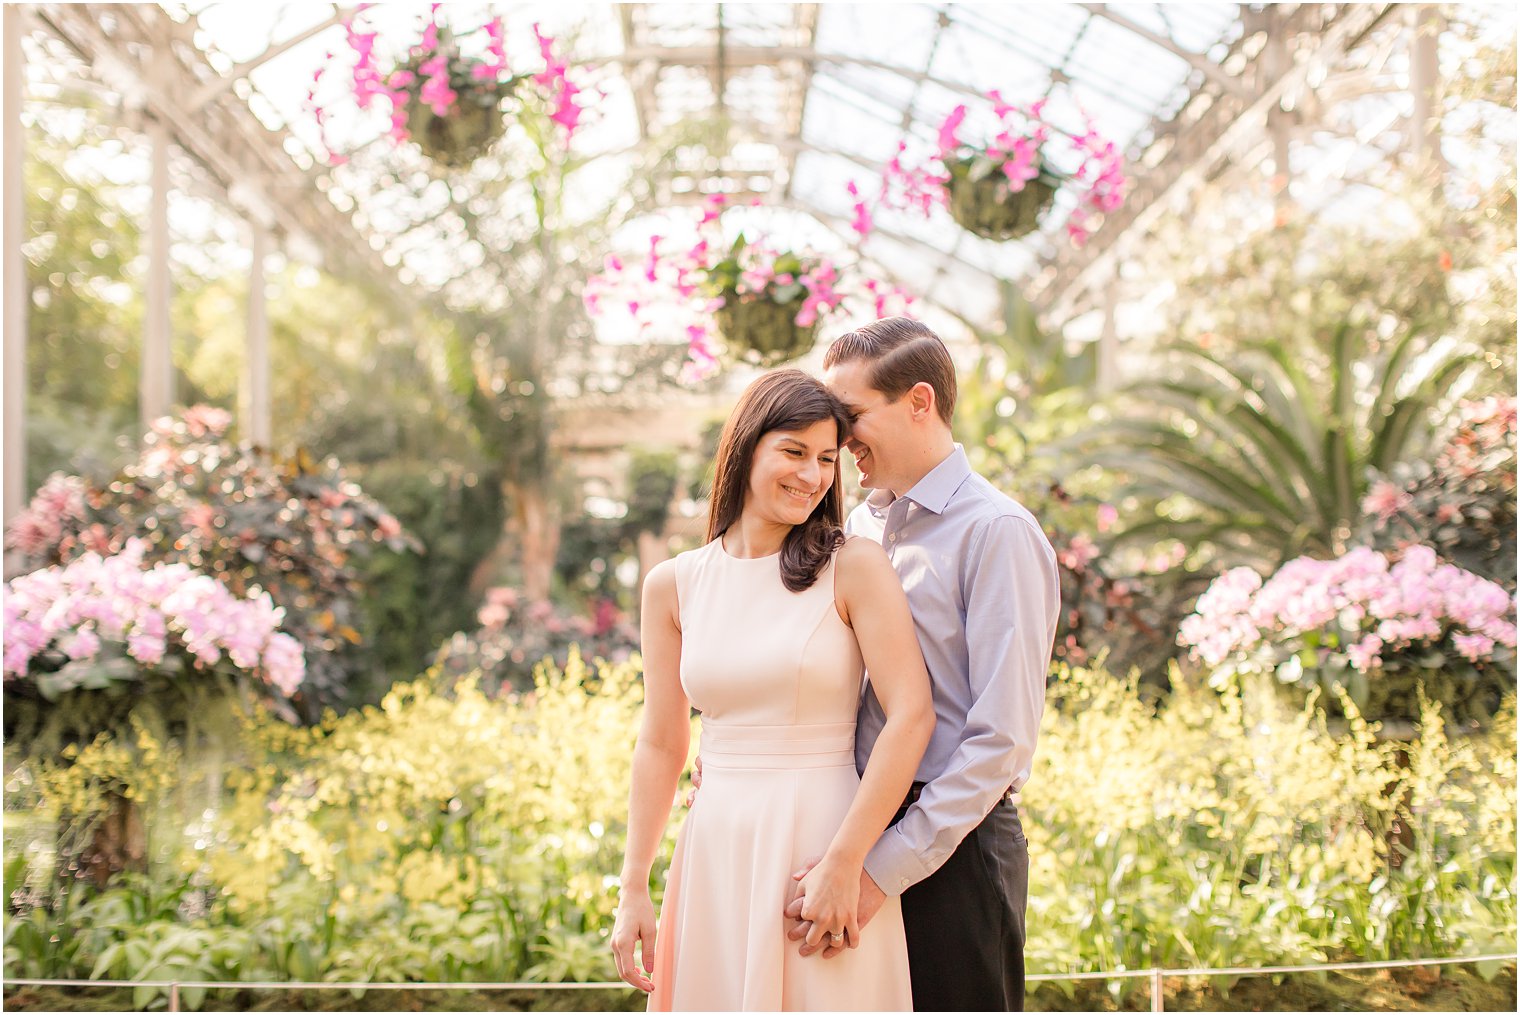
(861, 223)
(948, 141)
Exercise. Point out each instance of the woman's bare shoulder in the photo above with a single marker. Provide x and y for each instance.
(660, 584)
(861, 559)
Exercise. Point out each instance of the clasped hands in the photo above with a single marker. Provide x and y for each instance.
(825, 902)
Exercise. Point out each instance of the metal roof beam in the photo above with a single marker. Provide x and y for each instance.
(212, 89)
(1210, 69)
(1198, 146)
(764, 56)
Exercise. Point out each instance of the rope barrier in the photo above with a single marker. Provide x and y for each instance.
(1156, 976)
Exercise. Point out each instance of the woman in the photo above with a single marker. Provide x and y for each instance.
(766, 631)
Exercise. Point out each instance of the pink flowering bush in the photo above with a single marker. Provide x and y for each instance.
(1462, 502)
(1363, 623)
(103, 620)
(999, 187)
(752, 300)
(293, 528)
(516, 634)
(448, 94)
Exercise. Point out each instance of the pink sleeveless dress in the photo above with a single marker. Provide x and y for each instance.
(777, 677)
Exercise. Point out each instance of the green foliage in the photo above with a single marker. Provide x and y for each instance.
(490, 830)
(411, 601)
(85, 314)
(592, 549)
(653, 477)
(85, 320)
(1256, 460)
(454, 836)
(1222, 831)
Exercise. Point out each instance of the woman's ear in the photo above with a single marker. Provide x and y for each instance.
(921, 400)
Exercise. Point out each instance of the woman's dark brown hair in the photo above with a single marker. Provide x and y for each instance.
(786, 400)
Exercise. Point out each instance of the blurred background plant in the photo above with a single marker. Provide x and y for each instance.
(1462, 502)
(1383, 635)
(288, 527)
(517, 634)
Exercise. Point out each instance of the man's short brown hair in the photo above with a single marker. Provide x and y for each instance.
(900, 352)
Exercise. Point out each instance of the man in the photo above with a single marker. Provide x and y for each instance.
(982, 583)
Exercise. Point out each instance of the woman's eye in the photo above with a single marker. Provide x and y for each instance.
(793, 451)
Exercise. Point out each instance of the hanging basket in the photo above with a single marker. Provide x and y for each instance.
(764, 332)
(458, 138)
(981, 202)
(473, 122)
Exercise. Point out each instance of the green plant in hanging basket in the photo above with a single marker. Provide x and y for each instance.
(771, 302)
(764, 332)
(471, 122)
(981, 201)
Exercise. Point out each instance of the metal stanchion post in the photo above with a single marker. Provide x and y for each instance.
(1158, 1002)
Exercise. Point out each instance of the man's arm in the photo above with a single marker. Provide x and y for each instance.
(1012, 596)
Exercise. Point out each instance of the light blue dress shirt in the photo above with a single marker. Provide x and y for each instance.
(982, 583)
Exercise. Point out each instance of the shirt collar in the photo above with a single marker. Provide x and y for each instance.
(934, 490)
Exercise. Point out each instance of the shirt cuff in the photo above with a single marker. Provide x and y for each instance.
(893, 865)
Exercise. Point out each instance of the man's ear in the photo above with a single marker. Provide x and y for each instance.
(921, 400)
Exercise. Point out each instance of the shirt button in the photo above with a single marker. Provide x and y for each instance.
(893, 537)
(903, 882)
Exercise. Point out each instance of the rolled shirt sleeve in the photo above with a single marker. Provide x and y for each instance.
(1011, 595)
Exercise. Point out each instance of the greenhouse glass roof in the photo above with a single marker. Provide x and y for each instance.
(809, 97)
(814, 95)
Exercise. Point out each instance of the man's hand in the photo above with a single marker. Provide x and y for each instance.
(871, 900)
(696, 782)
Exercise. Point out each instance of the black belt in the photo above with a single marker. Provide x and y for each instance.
(917, 790)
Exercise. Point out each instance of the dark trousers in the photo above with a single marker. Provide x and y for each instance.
(965, 922)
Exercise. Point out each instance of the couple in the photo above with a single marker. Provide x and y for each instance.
(875, 823)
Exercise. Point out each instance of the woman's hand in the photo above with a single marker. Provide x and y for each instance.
(831, 902)
(635, 924)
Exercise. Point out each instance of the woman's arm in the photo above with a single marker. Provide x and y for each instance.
(871, 595)
(658, 757)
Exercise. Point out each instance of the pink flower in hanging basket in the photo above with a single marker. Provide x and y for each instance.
(1026, 152)
(705, 280)
(449, 94)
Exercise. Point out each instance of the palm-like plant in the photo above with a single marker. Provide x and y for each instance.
(1261, 457)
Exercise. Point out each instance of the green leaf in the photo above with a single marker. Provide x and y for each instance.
(1490, 968)
(108, 957)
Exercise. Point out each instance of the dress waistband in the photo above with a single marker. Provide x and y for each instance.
(812, 745)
